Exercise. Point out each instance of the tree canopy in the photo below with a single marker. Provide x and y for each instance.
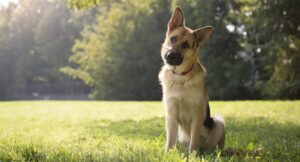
(112, 47)
(36, 40)
(252, 54)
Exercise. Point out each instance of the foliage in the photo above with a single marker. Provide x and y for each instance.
(33, 49)
(117, 56)
(252, 54)
(271, 37)
(281, 36)
(134, 131)
(80, 4)
(220, 55)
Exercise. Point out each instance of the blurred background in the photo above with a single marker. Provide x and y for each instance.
(110, 49)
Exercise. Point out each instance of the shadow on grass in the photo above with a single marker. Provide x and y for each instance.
(260, 136)
(143, 129)
(255, 136)
(250, 139)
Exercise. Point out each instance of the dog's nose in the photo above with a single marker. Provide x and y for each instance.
(173, 58)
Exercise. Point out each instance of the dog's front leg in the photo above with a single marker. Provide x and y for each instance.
(195, 134)
(196, 129)
(172, 129)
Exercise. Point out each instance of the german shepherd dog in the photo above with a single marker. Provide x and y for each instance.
(184, 95)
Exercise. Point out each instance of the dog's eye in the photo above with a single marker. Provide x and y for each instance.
(173, 39)
(185, 45)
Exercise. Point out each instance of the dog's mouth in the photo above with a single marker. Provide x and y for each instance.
(173, 59)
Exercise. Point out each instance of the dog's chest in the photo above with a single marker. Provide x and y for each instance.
(186, 109)
(183, 96)
(184, 102)
(187, 93)
(187, 96)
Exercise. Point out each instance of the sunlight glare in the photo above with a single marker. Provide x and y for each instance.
(4, 3)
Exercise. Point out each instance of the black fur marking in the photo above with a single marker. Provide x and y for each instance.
(208, 122)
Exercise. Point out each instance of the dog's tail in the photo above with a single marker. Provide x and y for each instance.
(220, 131)
(216, 135)
(216, 130)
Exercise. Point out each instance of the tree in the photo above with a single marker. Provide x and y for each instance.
(7, 66)
(18, 41)
(36, 39)
(228, 72)
(54, 36)
(272, 37)
(119, 54)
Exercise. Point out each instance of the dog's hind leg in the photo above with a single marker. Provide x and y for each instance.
(221, 142)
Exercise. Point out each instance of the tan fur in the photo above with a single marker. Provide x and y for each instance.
(184, 96)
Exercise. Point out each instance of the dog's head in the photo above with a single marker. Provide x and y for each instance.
(181, 44)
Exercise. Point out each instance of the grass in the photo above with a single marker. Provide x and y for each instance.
(134, 131)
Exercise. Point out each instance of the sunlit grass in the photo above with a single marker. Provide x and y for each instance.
(134, 131)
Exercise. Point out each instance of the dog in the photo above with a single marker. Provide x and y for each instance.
(184, 95)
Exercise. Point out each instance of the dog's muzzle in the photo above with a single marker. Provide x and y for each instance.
(173, 58)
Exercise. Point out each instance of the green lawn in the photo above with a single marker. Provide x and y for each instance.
(134, 131)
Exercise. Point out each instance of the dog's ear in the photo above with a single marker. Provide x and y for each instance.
(202, 34)
(176, 20)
